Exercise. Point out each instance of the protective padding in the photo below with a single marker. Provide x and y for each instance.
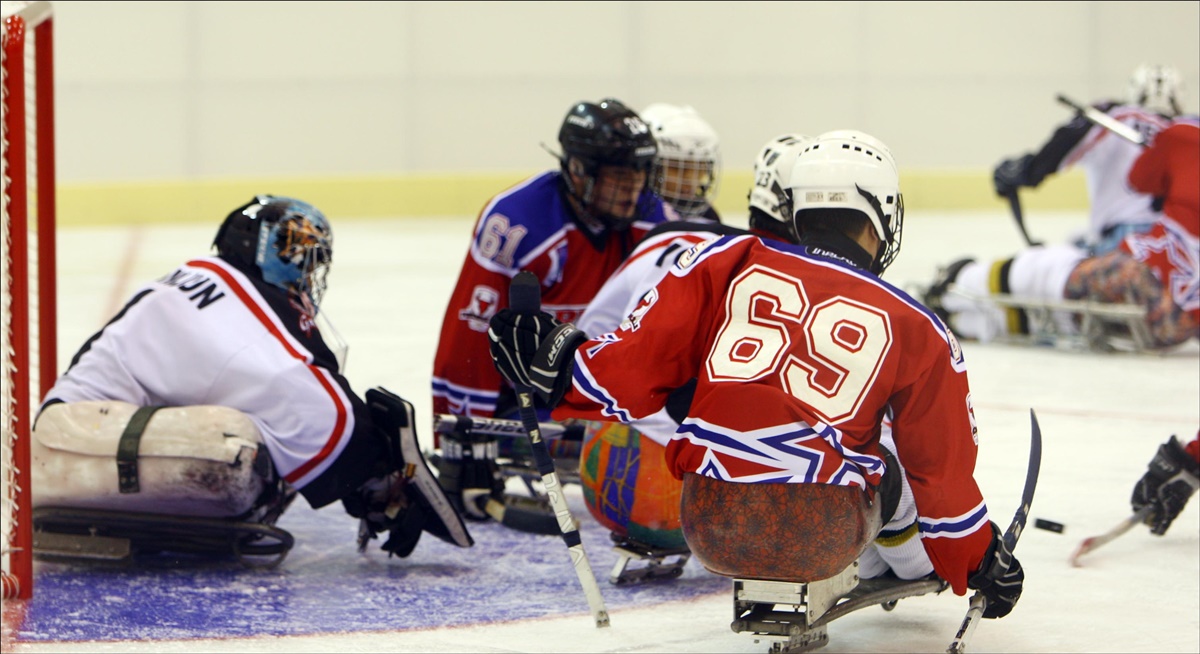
(193, 461)
(776, 532)
(627, 486)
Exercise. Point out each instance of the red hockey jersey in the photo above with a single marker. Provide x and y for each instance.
(798, 355)
(1170, 169)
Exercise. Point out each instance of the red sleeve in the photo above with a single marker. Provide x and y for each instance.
(1193, 447)
(1148, 174)
(936, 441)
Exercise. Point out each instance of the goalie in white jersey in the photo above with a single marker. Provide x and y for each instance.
(220, 366)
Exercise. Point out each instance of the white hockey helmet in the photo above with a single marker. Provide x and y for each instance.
(1156, 88)
(689, 156)
(773, 173)
(849, 169)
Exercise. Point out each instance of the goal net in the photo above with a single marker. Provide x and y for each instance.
(27, 281)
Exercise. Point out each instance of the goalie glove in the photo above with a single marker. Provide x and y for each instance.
(1170, 481)
(535, 351)
(1000, 578)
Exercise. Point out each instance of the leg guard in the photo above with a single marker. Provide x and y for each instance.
(780, 532)
(396, 418)
(627, 486)
(190, 461)
(1038, 274)
(112, 480)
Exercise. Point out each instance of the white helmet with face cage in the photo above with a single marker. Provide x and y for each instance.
(689, 157)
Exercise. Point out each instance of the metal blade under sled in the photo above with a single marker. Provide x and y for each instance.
(657, 562)
(92, 535)
(801, 612)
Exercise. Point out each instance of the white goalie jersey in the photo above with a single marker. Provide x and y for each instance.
(207, 334)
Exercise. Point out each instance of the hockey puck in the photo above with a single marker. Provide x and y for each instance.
(1048, 525)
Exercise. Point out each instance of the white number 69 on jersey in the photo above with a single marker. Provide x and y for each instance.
(842, 342)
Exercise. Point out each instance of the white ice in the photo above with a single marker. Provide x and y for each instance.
(1102, 417)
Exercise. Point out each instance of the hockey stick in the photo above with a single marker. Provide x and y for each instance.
(978, 601)
(524, 296)
(1014, 201)
(494, 426)
(1094, 542)
(1104, 120)
(526, 514)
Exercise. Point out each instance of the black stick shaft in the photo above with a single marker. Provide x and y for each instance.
(525, 297)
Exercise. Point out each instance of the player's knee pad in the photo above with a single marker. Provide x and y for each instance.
(780, 532)
(194, 461)
(627, 486)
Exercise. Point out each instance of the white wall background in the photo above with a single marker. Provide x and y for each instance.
(187, 90)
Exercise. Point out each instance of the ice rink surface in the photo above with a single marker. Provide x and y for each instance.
(1102, 417)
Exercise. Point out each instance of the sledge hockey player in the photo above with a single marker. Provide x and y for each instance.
(1116, 209)
(1171, 479)
(572, 227)
(689, 160)
(214, 394)
(1157, 269)
(798, 354)
(627, 487)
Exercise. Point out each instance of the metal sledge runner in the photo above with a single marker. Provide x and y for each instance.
(801, 612)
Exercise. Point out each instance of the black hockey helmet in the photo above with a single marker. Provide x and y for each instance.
(598, 134)
(607, 133)
(289, 243)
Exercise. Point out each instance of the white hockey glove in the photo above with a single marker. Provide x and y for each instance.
(1170, 481)
(535, 351)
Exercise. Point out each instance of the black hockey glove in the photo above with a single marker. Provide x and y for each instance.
(382, 505)
(1000, 578)
(535, 351)
(1170, 481)
(1011, 175)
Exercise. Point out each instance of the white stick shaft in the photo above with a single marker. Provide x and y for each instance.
(1104, 120)
(974, 615)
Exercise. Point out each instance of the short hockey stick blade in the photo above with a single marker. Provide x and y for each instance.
(524, 296)
(978, 601)
(1014, 202)
(1093, 542)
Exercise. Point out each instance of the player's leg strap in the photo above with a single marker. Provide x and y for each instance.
(1017, 321)
(127, 449)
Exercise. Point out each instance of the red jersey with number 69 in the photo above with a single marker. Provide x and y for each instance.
(797, 354)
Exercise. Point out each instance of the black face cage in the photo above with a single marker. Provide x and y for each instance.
(590, 171)
(892, 240)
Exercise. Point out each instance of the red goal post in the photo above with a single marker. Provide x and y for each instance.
(27, 254)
